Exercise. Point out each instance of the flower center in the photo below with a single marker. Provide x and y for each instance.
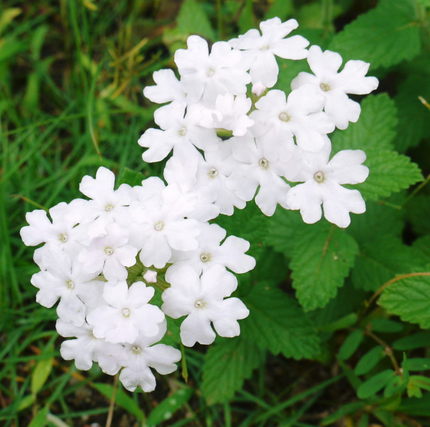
(319, 177)
(70, 284)
(210, 72)
(212, 173)
(63, 237)
(109, 207)
(325, 87)
(200, 303)
(265, 47)
(284, 116)
(126, 312)
(108, 250)
(182, 131)
(205, 257)
(263, 163)
(136, 349)
(159, 225)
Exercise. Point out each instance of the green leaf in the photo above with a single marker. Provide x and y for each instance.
(380, 259)
(248, 223)
(418, 364)
(369, 360)
(227, 364)
(26, 401)
(122, 399)
(409, 298)
(246, 19)
(277, 323)
(411, 342)
(370, 387)
(322, 258)
(165, 409)
(386, 325)
(351, 344)
(345, 409)
(389, 172)
(416, 407)
(384, 36)
(40, 374)
(376, 127)
(39, 420)
(192, 19)
(280, 8)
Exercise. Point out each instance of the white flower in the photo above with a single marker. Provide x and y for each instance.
(141, 355)
(230, 113)
(179, 131)
(64, 278)
(203, 300)
(160, 224)
(335, 86)
(207, 75)
(262, 48)
(262, 167)
(61, 233)
(86, 348)
(301, 115)
(229, 254)
(110, 254)
(126, 313)
(167, 88)
(322, 185)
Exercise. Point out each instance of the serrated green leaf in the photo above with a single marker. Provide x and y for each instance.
(165, 409)
(384, 36)
(227, 364)
(389, 172)
(374, 384)
(376, 127)
(369, 360)
(422, 245)
(192, 19)
(278, 324)
(409, 298)
(411, 342)
(322, 258)
(122, 399)
(351, 344)
(380, 259)
(40, 374)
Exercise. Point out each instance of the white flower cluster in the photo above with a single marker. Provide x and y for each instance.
(104, 258)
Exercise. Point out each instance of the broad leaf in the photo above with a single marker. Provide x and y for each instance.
(322, 258)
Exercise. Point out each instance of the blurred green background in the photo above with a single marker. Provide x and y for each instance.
(71, 80)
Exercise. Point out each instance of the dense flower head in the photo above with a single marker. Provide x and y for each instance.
(124, 260)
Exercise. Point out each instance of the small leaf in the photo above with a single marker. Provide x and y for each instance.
(380, 324)
(350, 345)
(418, 364)
(369, 360)
(165, 409)
(411, 342)
(40, 374)
(26, 401)
(192, 19)
(39, 420)
(374, 384)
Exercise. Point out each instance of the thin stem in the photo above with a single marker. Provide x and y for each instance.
(387, 349)
(112, 402)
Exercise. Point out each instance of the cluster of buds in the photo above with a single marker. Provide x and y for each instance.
(124, 259)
